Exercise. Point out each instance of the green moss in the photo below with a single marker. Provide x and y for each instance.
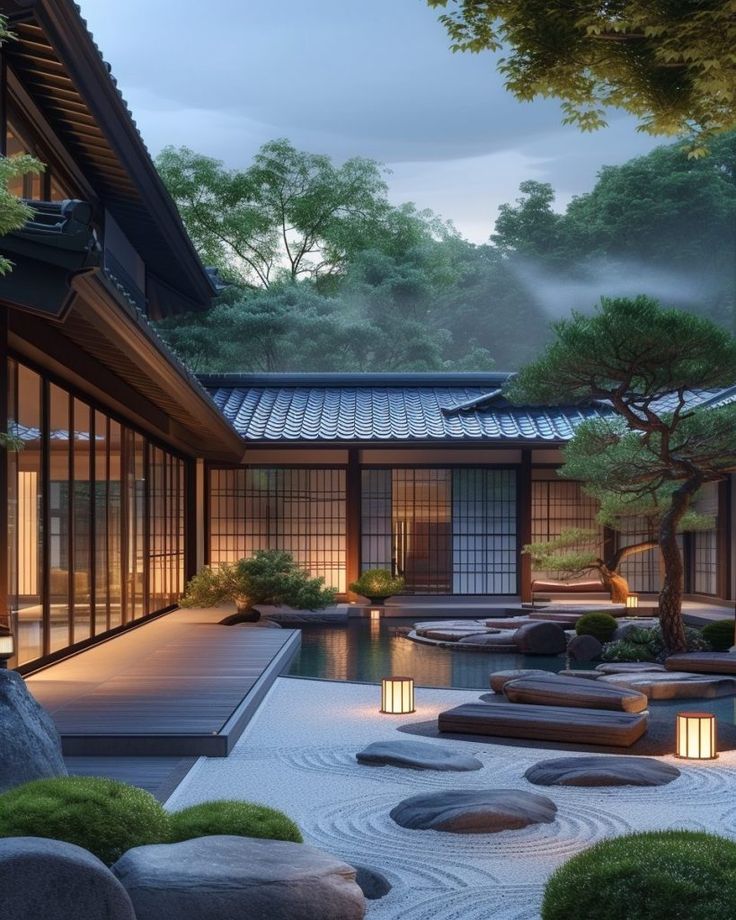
(103, 816)
(601, 625)
(719, 635)
(241, 819)
(660, 875)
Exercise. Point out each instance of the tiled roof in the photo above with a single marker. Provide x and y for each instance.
(386, 408)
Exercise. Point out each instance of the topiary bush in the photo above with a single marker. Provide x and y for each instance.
(240, 819)
(378, 583)
(103, 816)
(599, 624)
(658, 875)
(719, 635)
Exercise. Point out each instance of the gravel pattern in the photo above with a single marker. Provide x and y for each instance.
(298, 754)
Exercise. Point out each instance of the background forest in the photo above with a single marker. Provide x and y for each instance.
(323, 273)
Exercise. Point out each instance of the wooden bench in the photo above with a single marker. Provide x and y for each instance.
(567, 587)
(545, 723)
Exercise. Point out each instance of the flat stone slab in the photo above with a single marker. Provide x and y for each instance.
(579, 673)
(575, 692)
(602, 771)
(675, 685)
(579, 610)
(214, 878)
(509, 622)
(545, 723)
(43, 879)
(499, 679)
(492, 641)
(489, 811)
(703, 663)
(451, 635)
(472, 625)
(631, 667)
(417, 755)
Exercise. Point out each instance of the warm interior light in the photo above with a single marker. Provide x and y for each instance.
(397, 695)
(632, 600)
(375, 613)
(696, 736)
(27, 532)
(7, 645)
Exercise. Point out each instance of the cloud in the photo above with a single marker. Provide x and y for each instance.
(345, 78)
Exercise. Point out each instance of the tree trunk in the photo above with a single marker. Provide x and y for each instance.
(670, 597)
(245, 613)
(615, 584)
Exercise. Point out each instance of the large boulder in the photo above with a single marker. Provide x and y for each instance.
(218, 878)
(540, 639)
(29, 742)
(44, 879)
(600, 770)
(417, 755)
(471, 811)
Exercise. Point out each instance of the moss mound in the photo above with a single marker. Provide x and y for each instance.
(240, 819)
(661, 875)
(103, 816)
(601, 625)
(720, 635)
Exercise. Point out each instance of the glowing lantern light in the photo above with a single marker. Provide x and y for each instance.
(696, 736)
(632, 600)
(397, 695)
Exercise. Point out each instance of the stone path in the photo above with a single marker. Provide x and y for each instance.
(298, 754)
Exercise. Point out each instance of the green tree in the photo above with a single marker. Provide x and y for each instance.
(643, 361)
(531, 226)
(289, 214)
(669, 64)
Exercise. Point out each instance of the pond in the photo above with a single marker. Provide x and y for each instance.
(366, 651)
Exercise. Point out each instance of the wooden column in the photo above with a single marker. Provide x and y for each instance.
(4, 478)
(524, 514)
(724, 536)
(352, 513)
(193, 518)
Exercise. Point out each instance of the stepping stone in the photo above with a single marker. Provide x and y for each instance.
(703, 663)
(540, 639)
(489, 811)
(579, 673)
(450, 635)
(54, 880)
(545, 723)
(509, 622)
(212, 878)
(492, 641)
(417, 755)
(630, 667)
(575, 692)
(602, 771)
(675, 685)
(476, 625)
(500, 678)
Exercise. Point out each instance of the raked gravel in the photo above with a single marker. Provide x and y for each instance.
(298, 754)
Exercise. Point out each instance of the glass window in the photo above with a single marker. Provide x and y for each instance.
(704, 543)
(115, 525)
(60, 535)
(102, 535)
(82, 522)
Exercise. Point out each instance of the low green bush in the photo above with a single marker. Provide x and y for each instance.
(719, 634)
(601, 625)
(648, 645)
(659, 875)
(103, 816)
(240, 819)
(378, 583)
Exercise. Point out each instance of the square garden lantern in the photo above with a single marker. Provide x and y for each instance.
(696, 736)
(397, 695)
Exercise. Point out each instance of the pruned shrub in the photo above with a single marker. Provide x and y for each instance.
(378, 583)
(719, 635)
(599, 624)
(658, 875)
(239, 819)
(103, 816)
(648, 645)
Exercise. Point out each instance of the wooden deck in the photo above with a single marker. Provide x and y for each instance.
(158, 775)
(179, 686)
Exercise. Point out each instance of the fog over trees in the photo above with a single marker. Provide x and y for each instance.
(323, 273)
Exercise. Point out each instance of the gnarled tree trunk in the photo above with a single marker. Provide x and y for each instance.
(670, 597)
(615, 584)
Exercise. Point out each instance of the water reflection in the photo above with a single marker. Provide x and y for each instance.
(365, 650)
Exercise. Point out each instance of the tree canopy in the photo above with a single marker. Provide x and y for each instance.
(643, 362)
(671, 65)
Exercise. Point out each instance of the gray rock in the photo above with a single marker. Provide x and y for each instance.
(574, 692)
(500, 678)
(417, 755)
(602, 771)
(584, 648)
(675, 685)
(30, 744)
(373, 884)
(493, 640)
(630, 667)
(487, 811)
(450, 635)
(54, 880)
(218, 878)
(540, 639)
(624, 629)
(580, 673)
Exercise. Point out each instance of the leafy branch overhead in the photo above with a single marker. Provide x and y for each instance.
(672, 65)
